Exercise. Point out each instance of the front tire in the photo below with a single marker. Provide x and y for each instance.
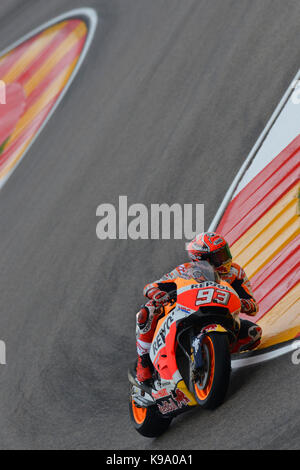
(148, 421)
(211, 386)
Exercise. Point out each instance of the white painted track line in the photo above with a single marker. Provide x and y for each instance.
(267, 356)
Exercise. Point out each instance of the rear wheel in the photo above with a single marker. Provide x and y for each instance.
(210, 383)
(148, 421)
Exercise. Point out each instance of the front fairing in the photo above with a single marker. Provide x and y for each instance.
(162, 352)
(188, 304)
(183, 314)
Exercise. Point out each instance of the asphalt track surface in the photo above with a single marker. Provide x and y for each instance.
(168, 103)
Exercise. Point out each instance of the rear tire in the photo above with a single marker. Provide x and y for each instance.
(212, 392)
(148, 421)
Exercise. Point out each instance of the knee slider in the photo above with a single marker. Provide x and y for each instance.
(255, 332)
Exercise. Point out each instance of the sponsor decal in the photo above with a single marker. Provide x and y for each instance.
(160, 339)
(186, 309)
(173, 403)
(205, 296)
(160, 394)
(204, 284)
(167, 406)
(209, 328)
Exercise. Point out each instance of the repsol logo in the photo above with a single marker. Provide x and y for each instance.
(160, 339)
(209, 284)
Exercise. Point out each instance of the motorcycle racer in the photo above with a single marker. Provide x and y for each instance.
(213, 248)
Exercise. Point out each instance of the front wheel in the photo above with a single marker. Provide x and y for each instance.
(210, 383)
(148, 421)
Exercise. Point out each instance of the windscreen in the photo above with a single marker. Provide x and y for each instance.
(203, 271)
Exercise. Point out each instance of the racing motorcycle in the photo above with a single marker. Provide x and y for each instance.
(190, 352)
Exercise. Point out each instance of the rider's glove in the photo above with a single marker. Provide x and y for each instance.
(249, 307)
(159, 297)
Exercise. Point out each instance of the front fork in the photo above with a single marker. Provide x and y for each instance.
(198, 355)
(197, 350)
(201, 361)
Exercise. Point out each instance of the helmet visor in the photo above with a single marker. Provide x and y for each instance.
(221, 256)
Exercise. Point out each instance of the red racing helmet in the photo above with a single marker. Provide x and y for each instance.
(211, 247)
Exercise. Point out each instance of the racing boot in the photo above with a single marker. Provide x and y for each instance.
(143, 372)
(249, 337)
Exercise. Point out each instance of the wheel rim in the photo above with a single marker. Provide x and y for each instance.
(139, 414)
(203, 392)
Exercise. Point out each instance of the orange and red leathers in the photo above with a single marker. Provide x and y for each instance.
(147, 318)
(237, 278)
(158, 295)
(146, 321)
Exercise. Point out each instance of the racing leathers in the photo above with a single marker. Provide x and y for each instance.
(158, 293)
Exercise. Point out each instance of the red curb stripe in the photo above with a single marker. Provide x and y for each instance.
(280, 289)
(49, 49)
(12, 57)
(30, 131)
(267, 172)
(267, 274)
(260, 193)
(65, 62)
(281, 274)
(12, 110)
(262, 207)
